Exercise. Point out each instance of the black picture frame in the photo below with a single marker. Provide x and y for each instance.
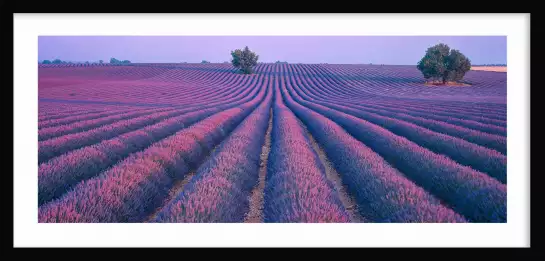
(6, 46)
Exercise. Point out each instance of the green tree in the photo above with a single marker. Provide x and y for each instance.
(46, 62)
(114, 61)
(100, 61)
(442, 63)
(244, 60)
(457, 66)
(205, 61)
(56, 61)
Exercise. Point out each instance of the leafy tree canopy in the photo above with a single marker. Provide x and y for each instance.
(442, 63)
(244, 60)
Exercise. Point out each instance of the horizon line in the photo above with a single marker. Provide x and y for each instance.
(208, 62)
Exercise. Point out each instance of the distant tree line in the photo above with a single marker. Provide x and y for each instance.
(56, 61)
(116, 61)
(59, 61)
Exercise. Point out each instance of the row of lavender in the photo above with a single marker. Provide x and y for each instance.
(387, 83)
(406, 82)
(194, 100)
(132, 189)
(476, 195)
(220, 189)
(478, 157)
(66, 160)
(354, 91)
(172, 87)
(298, 191)
(57, 146)
(401, 164)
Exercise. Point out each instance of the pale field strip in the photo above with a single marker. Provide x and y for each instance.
(490, 68)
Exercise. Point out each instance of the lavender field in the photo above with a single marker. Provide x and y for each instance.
(291, 143)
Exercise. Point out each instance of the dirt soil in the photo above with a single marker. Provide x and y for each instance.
(447, 84)
(348, 201)
(255, 214)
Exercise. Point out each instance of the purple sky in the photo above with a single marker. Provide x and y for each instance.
(293, 49)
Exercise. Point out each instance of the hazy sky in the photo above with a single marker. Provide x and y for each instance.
(294, 49)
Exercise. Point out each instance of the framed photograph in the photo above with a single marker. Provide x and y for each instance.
(296, 130)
